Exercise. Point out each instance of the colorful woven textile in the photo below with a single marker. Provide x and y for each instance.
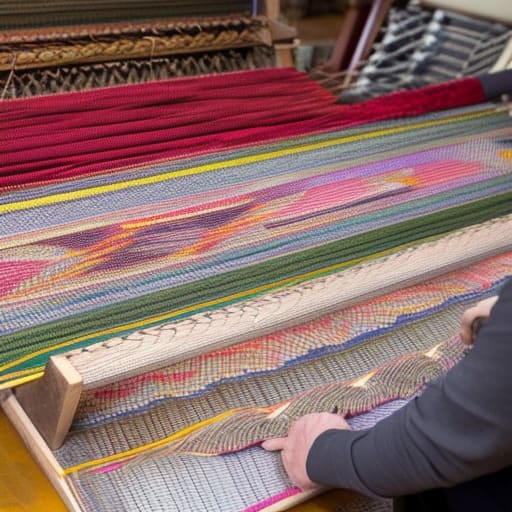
(128, 426)
(238, 429)
(176, 206)
(135, 468)
(79, 77)
(142, 235)
(204, 444)
(178, 118)
(345, 345)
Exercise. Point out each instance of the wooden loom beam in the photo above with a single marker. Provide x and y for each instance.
(51, 401)
(350, 31)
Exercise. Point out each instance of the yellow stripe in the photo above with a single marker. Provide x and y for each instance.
(150, 446)
(114, 187)
(240, 295)
(13, 382)
(23, 373)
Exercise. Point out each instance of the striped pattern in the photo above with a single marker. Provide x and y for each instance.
(81, 77)
(422, 46)
(110, 475)
(267, 354)
(107, 253)
(95, 436)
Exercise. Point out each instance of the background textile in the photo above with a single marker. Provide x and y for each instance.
(80, 57)
(422, 46)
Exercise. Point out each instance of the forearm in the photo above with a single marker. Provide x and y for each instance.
(413, 450)
(458, 429)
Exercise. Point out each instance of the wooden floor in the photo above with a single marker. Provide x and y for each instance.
(23, 487)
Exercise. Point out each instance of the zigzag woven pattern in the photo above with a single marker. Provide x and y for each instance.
(80, 77)
(22, 50)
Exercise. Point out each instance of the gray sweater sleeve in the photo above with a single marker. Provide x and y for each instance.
(459, 428)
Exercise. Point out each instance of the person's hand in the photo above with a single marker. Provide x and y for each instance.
(471, 317)
(295, 447)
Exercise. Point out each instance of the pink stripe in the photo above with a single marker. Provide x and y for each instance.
(273, 499)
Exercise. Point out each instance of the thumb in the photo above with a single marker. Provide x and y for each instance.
(275, 444)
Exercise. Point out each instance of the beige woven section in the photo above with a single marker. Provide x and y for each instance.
(22, 50)
(161, 346)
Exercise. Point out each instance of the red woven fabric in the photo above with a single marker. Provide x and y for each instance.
(50, 138)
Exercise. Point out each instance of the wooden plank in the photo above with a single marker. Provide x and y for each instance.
(496, 10)
(51, 402)
(38, 448)
(292, 501)
(372, 26)
(272, 9)
(161, 346)
(505, 60)
(349, 34)
(284, 55)
(281, 31)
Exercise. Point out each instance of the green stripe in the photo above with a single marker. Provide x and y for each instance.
(358, 246)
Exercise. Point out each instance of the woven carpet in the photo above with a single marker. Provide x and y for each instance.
(107, 228)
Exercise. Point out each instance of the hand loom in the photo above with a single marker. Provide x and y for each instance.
(190, 264)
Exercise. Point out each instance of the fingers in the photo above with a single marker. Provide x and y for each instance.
(472, 318)
(466, 335)
(272, 445)
(467, 331)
